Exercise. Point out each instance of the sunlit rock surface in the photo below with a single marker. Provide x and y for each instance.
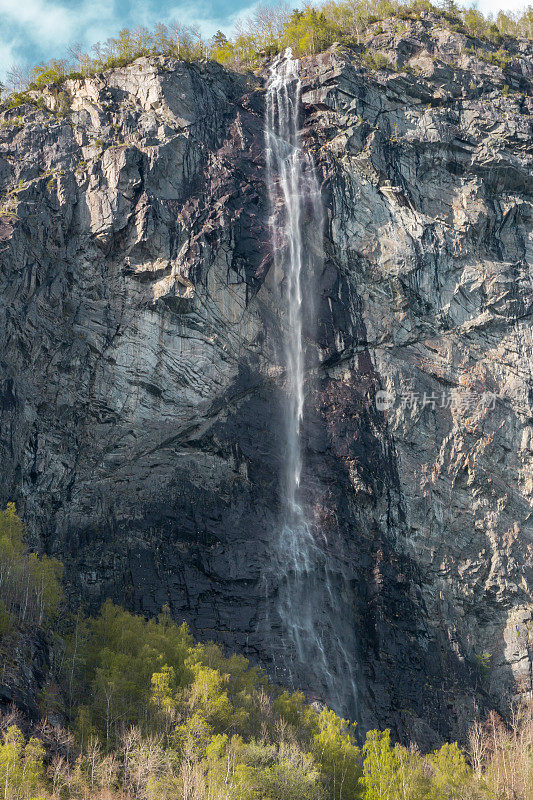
(141, 428)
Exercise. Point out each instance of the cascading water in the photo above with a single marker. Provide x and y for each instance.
(308, 595)
(292, 187)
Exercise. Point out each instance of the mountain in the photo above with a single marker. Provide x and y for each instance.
(142, 400)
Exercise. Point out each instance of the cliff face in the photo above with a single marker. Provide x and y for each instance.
(141, 429)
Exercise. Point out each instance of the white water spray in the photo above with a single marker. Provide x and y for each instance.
(307, 591)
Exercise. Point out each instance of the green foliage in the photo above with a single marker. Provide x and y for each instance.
(175, 41)
(294, 710)
(376, 60)
(450, 772)
(161, 694)
(18, 99)
(483, 660)
(380, 767)
(53, 71)
(307, 30)
(224, 54)
(236, 732)
(113, 659)
(223, 50)
(339, 758)
(21, 765)
(242, 770)
(160, 717)
(391, 772)
(499, 57)
(310, 31)
(30, 586)
(211, 727)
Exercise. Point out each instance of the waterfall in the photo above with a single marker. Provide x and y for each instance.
(313, 650)
(292, 184)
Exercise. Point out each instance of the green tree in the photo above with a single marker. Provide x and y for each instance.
(337, 754)
(309, 31)
(222, 50)
(450, 772)
(475, 22)
(259, 771)
(30, 586)
(380, 767)
(21, 765)
(53, 71)
(112, 658)
(412, 782)
(163, 689)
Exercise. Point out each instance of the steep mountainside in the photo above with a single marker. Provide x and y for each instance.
(142, 398)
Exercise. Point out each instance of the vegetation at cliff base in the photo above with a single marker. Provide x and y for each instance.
(267, 31)
(148, 713)
(30, 586)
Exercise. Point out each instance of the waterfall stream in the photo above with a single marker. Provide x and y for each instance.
(294, 192)
(313, 647)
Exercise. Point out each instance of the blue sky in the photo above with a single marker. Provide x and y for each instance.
(35, 30)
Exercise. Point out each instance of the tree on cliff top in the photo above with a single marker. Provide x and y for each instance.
(267, 31)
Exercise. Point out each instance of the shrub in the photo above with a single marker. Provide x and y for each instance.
(376, 60)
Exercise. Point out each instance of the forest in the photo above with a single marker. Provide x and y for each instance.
(267, 31)
(137, 708)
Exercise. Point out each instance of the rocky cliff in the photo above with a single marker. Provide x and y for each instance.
(141, 430)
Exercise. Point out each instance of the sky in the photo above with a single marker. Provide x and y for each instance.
(36, 30)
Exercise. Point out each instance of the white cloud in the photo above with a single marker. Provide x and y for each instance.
(42, 25)
(35, 16)
(201, 15)
(494, 6)
(7, 57)
(42, 20)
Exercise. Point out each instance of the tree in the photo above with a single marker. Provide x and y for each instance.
(337, 754)
(220, 39)
(525, 23)
(221, 49)
(53, 71)
(113, 657)
(309, 31)
(30, 586)
(380, 767)
(163, 695)
(412, 782)
(21, 765)
(475, 22)
(450, 771)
